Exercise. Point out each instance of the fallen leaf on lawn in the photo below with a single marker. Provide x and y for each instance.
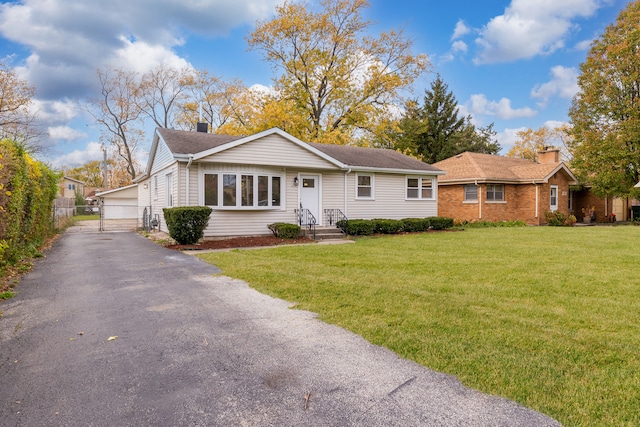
(80, 333)
(112, 338)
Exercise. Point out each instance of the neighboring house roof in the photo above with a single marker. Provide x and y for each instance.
(477, 167)
(115, 191)
(637, 185)
(73, 180)
(185, 145)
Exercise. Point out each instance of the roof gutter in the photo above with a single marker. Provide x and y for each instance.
(188, 177)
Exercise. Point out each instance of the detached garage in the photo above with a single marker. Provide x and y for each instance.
(120, 203)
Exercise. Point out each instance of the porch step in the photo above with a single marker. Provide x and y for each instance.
(328, 233)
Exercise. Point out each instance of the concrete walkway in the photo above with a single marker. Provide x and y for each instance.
(110, 329)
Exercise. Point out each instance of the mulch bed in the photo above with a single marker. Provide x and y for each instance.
(240, 242)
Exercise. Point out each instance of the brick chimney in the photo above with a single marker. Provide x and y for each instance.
(549, 155)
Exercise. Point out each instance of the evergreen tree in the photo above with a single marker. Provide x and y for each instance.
(434, 131)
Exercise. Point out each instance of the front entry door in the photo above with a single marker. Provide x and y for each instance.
(310, 195)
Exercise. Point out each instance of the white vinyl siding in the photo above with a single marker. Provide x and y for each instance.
(272, 150)
(162, 159)
(390, 202)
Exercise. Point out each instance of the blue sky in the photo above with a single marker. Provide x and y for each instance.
(513, 63)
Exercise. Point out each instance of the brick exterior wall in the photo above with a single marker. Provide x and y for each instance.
(519, 202)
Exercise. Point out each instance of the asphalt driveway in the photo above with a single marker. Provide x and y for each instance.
(110, 329)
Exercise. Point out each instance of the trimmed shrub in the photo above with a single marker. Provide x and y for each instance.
(284, 230)
(356, 227)
(387, 226)
(186, 224)
(440, 222)
(413, 225)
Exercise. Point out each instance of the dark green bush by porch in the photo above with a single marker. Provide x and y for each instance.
(187, 224)
(284, 230)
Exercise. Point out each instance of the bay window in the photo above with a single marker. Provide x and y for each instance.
(241, 191)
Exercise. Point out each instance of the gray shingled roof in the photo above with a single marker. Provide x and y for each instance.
(184, 142)
(372, 157)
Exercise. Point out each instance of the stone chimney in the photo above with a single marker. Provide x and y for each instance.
(549, 155)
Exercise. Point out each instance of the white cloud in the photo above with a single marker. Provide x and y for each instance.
(507, 138)
(563, 83)
(531, 27)
(478, 104)
(93, 151)
(65, 133)
(584, 45)
(460, 30)
(459, 46)
(142, 57)
(70, 39)
(54, 113)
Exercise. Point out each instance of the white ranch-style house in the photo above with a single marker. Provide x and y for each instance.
(252, 181)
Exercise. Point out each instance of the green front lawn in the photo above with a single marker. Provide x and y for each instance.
(546, 316)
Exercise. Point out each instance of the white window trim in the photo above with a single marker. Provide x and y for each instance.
(464, 194)
(486, 197)
(554, 208)
(238, 206)
(434, 187)
(373, 191)
(169, 202)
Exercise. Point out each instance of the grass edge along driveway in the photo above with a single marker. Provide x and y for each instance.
(548, 317)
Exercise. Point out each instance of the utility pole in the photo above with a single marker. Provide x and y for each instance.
(105, 184)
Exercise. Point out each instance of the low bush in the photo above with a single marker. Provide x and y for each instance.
(413, 225)
(284, 230)
(558, 219)
(440, 222)
(387, 226)
(186, 224)
(356, 227)
(488, 224)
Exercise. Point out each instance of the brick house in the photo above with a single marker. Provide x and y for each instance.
(495, 188)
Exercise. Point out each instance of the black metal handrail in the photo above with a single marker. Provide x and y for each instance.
(306, 218)
(332, 216)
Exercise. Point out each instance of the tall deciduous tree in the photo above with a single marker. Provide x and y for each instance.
(212, 100)
(530, 142)
(16, 118)
(605, 114)
(342, 82)
(118, 111)
(434, 131)
(162, 90)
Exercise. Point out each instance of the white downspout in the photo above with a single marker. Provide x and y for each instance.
(479, 200)
(346, 212)
(537, 198)
(188, 183)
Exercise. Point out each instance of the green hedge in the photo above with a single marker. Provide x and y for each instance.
(367, 227)
(186, 224)
(285, 230)
(27, 191)
(412, 225)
